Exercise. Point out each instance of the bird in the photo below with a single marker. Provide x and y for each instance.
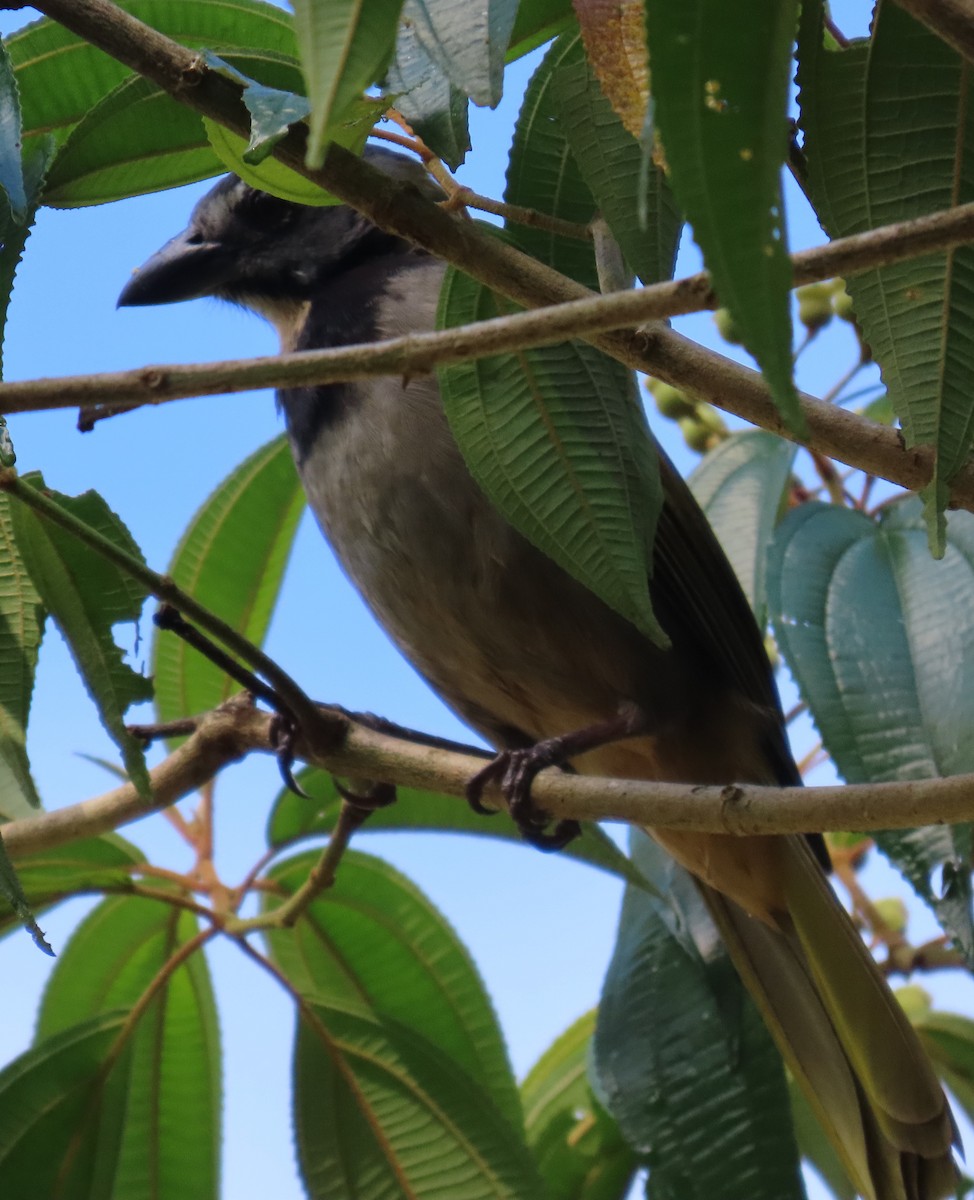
(526, 655)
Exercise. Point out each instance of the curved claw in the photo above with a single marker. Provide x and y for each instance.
(514, 771)
(495, 771)
(282, 736)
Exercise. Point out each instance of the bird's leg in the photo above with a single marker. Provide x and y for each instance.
(514, 772)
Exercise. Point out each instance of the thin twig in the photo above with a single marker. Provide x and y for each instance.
(320, 878)
(738, 808)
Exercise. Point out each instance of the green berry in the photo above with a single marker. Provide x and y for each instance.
(892, 913)
(698, 437)
(815, 305)
(842, 305)
(670, 401)
(916, 1001)
(727, 326)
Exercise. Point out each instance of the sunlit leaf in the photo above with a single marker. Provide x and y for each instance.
(87, 596)
(231, 558)
(880, 639)
(720, 75)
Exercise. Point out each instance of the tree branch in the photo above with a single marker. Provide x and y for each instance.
(236, 728)
(421, 353)
(401, 210)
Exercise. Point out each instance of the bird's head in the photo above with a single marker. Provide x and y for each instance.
(267, 254)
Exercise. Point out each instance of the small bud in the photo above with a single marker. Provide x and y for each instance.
(698, 437)
(842, 305)
(727, 326)
(892, 912)
(670, 401)
(815, 305)
(915, 1000)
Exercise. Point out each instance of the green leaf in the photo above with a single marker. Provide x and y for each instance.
(889, 136)
(232, 559)
(579, 1148)
(295, 817)
(137, 139)
(630, 190)
(537, 22)
(380, 1112)
(880, 639)
(376, 943)
(350, 128)
(62, 77)
(86, 595)
(682, 1058)
(21, 629)
(57, 1116)
(14, 234)
(433, 106)
(467, 42)
(12, 891)
(345, 47)
(949, 1040)
(740, 487)
(557, 439)
(168, 1135)
(11, 166)
(90, 865)
(543, 174)
(720, 77)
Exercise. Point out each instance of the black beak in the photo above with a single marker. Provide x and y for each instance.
(185, 267)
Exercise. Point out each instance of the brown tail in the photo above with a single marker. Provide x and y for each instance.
(843, 1035)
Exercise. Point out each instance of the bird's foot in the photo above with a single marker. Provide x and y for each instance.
(514, 772)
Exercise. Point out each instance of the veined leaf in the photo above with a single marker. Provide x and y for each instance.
(682, 1059)
(11, 166)
(232, 559)
(889, 136)
(433, 106)
(59, 1112)
(377, 943)
(739, 486)
(345, 47)
(581, 1153)
(467, 42)
(166, 1132)
(630, 190)
(380, 1111)
(62, 77)
(21, 629)
(138, 139)
(13, 233)
(87, 595)
(720, 76)
(537, 22)
(542, 174)
(880, 639)
(90, 865)
(557, 439)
